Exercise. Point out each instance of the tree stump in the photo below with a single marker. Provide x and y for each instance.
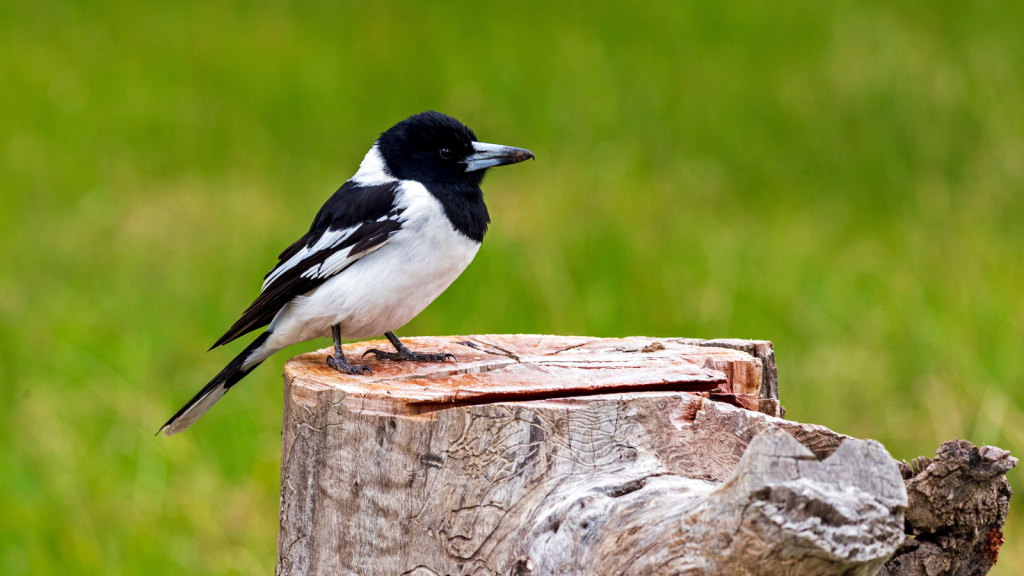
(550, 455)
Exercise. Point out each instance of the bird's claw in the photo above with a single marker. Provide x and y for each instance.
(350, 369)
(378, 354)
(410, 356)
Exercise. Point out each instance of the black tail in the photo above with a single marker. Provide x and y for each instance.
(213, 391)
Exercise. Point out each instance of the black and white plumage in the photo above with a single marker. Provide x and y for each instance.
(382, 248)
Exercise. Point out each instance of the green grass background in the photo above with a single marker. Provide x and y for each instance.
(844, 179)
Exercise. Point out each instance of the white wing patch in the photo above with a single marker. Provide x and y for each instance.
(334, 263)
(337, 262)
(328, 240)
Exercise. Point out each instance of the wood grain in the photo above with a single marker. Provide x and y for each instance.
(554, 455)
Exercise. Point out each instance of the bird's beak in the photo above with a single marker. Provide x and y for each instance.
(490, 155)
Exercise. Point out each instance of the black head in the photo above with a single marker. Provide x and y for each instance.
(440, 152)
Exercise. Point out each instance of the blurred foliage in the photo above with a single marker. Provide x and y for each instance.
(844, 179)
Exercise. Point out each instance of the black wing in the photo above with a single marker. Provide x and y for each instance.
(355, 221)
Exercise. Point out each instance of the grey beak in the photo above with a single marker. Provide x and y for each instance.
(490, 155)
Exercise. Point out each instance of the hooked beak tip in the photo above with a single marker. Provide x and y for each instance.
(522, 155)
(492, 155)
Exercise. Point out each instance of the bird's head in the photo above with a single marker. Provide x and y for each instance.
(437, 150)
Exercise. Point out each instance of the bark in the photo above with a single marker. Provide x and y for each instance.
(553, 455)
(957, 506)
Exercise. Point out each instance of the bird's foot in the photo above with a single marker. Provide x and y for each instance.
(410, 356)
(350, 369)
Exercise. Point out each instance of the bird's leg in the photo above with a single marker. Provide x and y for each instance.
(406, 354)
(338, 361)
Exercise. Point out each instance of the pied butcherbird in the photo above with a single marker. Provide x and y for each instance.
(382, 248)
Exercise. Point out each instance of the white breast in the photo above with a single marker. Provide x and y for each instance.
(387, 288)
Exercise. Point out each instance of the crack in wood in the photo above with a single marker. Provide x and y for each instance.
(504, 352)
(580, 345)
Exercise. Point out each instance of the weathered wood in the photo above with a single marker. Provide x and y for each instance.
(957, 506)
(553, 455)
(493, 368)
(761, 349)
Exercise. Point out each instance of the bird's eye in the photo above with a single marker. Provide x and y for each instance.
(445, 153)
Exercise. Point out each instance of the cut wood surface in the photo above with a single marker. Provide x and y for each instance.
(493, 368)
(558, 455)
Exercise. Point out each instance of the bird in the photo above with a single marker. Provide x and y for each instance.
(388, 242)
